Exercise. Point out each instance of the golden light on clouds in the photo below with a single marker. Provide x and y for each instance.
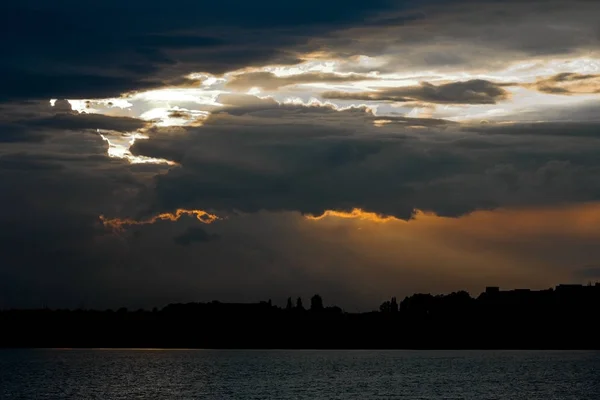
(573, 220)
(356, 213)
(532, 247)
(119, 224)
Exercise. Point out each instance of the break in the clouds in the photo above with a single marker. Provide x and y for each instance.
(474, 91)
(240, 151)
(270, 81)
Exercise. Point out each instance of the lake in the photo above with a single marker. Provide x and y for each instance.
(281, 374)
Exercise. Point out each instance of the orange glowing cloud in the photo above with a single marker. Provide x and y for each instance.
(119, 224)
(356, 213)
(580, 220)
(534, 246)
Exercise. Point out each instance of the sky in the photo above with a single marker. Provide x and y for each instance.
(155, 152)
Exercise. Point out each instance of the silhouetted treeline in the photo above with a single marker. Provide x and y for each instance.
(562, 318)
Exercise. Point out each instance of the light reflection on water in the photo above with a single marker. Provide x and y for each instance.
(239, 374)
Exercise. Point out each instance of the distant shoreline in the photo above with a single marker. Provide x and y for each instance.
(564, 318)
(306, 349)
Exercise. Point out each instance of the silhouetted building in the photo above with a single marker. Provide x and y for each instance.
(316, 303)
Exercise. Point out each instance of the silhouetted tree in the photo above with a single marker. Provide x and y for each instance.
(419, 304)
(394, 305)
(316, 303)
(496, 319)
(389, 306)
(385, 307)
(289, 305)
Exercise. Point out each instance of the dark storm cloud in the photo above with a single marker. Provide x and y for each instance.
(194, 235)
(36, 121)
(540, 129)
(270, 81)
(310, 159)
(52, 194)
(468, 35)
(55, 252)
(474, 91)
(20, 83)
(28, 162)
(88, 121)
(76, 50)
(10, 132)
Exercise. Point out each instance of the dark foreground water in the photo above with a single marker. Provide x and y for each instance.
(365, 375)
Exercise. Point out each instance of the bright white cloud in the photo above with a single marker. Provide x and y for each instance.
(119, 144)
(190, 105)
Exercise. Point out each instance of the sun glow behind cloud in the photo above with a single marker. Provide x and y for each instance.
(119, 144)
(175, 116)
(581, 220)
(190, 105)
(356, 213)
(119, 224)
(489, 245)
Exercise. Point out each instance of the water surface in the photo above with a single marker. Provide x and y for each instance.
(253, 374)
